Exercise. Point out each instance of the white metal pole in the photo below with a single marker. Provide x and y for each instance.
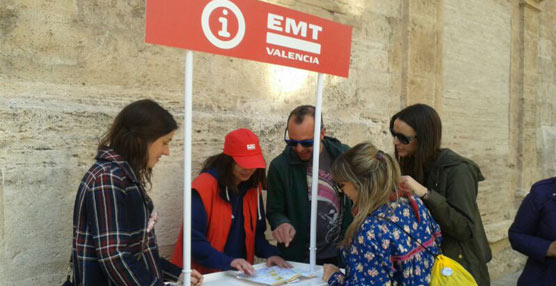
(187, 118)
(315, 179)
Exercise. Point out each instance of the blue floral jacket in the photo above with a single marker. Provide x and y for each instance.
(381, 253)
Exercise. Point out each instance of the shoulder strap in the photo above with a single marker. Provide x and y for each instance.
(408, 234)
(69, 280)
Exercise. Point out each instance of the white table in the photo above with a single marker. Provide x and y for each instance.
(228, 278)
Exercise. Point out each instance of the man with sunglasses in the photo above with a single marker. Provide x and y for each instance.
(289, 192)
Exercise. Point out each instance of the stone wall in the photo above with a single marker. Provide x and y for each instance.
(67, 68)
(547, 90)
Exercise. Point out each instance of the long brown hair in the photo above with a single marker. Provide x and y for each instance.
(224, 164)
(133, 130)
(428, 127)
(374, 174)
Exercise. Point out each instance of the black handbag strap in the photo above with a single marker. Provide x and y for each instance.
(69, 281)
(411, 236)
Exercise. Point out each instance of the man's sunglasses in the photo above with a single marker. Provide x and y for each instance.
(402, 138)
(293, 143)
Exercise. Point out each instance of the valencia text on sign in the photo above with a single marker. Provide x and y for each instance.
(292, 55)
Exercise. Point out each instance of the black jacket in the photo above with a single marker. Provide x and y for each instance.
(532, 232)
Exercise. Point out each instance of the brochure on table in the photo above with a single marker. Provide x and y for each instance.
(299, 275)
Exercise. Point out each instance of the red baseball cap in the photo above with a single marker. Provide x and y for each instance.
(243, 146)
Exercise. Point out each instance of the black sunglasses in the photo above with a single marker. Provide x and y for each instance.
(340, 187)
(402, 138)
(293, 143)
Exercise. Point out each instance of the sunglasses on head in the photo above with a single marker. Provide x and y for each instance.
(293, 143)
(402, 138)
(340, 187)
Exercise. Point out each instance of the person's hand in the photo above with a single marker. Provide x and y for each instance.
(328, 270)
(408, 183)
(196, 278)
(243, 266)
(284, 233)
(278, 261)
(551, 250)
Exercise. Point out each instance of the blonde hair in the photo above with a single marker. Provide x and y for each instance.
(374, 174)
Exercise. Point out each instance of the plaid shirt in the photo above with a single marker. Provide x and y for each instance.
(111, 245)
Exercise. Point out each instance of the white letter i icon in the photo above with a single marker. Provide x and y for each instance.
(224, 31)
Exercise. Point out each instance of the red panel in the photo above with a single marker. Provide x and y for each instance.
(251, 30)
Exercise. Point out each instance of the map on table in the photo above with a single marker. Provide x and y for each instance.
(274, 275)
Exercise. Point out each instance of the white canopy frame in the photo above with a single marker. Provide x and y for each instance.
(188, 119)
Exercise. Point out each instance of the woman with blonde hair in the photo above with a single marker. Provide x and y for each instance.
(393, 238)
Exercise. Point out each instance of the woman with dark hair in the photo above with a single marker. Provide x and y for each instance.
(393, 238)
(114, 242)
(446, 182)
(228, 222)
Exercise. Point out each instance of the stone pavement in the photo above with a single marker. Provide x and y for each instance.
(508, 280)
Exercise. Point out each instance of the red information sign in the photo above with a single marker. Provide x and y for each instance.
(252, 30)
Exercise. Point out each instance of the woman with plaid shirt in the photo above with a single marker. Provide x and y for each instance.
(114, 241)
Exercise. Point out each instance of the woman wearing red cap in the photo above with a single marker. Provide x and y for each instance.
(228, 222)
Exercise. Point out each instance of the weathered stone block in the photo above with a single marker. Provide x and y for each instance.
(68, 67)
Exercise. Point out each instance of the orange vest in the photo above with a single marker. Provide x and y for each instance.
(219, 220)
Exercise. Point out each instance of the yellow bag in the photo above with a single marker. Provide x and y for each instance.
(448, 272)
(445, 271)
